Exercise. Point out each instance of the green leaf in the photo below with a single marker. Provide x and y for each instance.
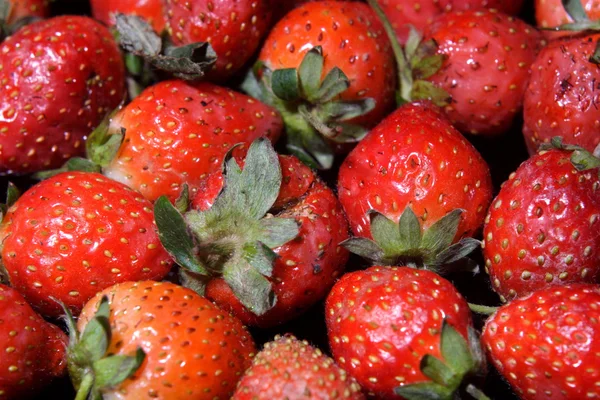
(5, 10)
(12, 194)
(252, 86)
(182, 203)
(190, 62)
(310, 147)
(425, 90)
(476, 350)
(72, 164)
(285, 84)
(95, 338)
(260, 257)
(113, 370)
(385, 233)
(137, 36)
(365, 248)
(251, 288)
(345, 110)
(583, 160)
(348, 133)
(175, 237)
(437, 370)
(575, 10)
(441, 234)
(104, 143)
(410, 229)
(476, 393)
(455, 350)
(424, 391)
(134, 64)
(335, 83)
(70, 323)
(310, 72)
(412, 43)
(428, 66)
(276, 232)
(458, 251)
(193, 281)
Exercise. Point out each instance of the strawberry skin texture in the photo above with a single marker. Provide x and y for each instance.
(352, 39)
(151, 10)
(562, 99)
(542, 229)
(551, 13)
(547, 345)
(55, 91)
(415, 158)
(33, 350)
(28, 8)
(486, 71)
(177, 133)
(75, 234)
(233, 28)
(382, 321)
(291, 369)
(193, 349)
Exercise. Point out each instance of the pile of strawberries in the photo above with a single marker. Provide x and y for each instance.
(199, 180)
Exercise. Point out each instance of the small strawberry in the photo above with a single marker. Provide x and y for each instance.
(151, 10)
(267, 247)
(290, 369)
(19, 9)
(547, 345)
(402, 333)
(33, 350)
(139, 340)
(75, 234)
(542, 229)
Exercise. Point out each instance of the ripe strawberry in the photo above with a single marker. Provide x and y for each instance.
(542, 229)
(267, 247)
(551, 13)
(77, 233)
(33, 350)
(415, 158)
(27, 8)
(151, 10)
(399, 331)
(330, 87)
(233, 28)
(290, 369)
(157, 340)
(546, 345)
(60, 77)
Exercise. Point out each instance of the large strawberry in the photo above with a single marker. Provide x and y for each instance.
(547, 345)
(151, 10)
(291, 369)
(33, 350)
(60, 77)
(75, 234)
(139, 340)
(402, 332)
(329, 69)
(267, 247)
(27, 8)
(542, 229)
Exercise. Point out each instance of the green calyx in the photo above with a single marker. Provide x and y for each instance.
(91, 368)
(310, 106)
(582, 159)
(236, 237)
(461, 360)
(405, 244)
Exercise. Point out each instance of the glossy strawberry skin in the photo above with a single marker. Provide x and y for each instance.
(486, 71)
(28, 8)
(33, 350)
(151, 10)
(233, 28)
(383, 320)
(177, 133)
(547, 345)
(551, 13)
(193, 348)
(75, 234)
(352, 39)
(542, 229)
(288, 368)
(415, 158)
(562, 96)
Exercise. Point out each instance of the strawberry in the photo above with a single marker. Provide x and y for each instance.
(291, 369)
(415, 158)
(140, 340)
(75, 234)
(330, 87)
(267, 247)
(552, 13)
(27, 8)
(546, 345)
(60, 77)
(542, 228)
(233, 28)
(151, 10)
(33, 350)
(401, 332)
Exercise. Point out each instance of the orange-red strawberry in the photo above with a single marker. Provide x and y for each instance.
(151, 10)
(33, 350)
(551, 13)
(547, 345)
(542, 229)
(288, 368)
(75, 234)
(140, 340)
(27, 8)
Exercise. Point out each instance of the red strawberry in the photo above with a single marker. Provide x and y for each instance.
(547, 345)
(542, 229)
(290, 369)
(398, 330)
(151, 10)
(415, 158)
(551, 13)
(256, 250)
(75, 234)
(33, 350)
(562, 98)
(233, 28)
(60, 77)
(157, 340)
(27, 8)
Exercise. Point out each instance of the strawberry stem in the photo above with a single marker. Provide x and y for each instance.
(483, 310)
(476, 393)
(85, 387)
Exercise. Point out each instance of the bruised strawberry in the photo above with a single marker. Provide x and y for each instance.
(151, 10)
(75, 234)
(27, 8)
(33, 350)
